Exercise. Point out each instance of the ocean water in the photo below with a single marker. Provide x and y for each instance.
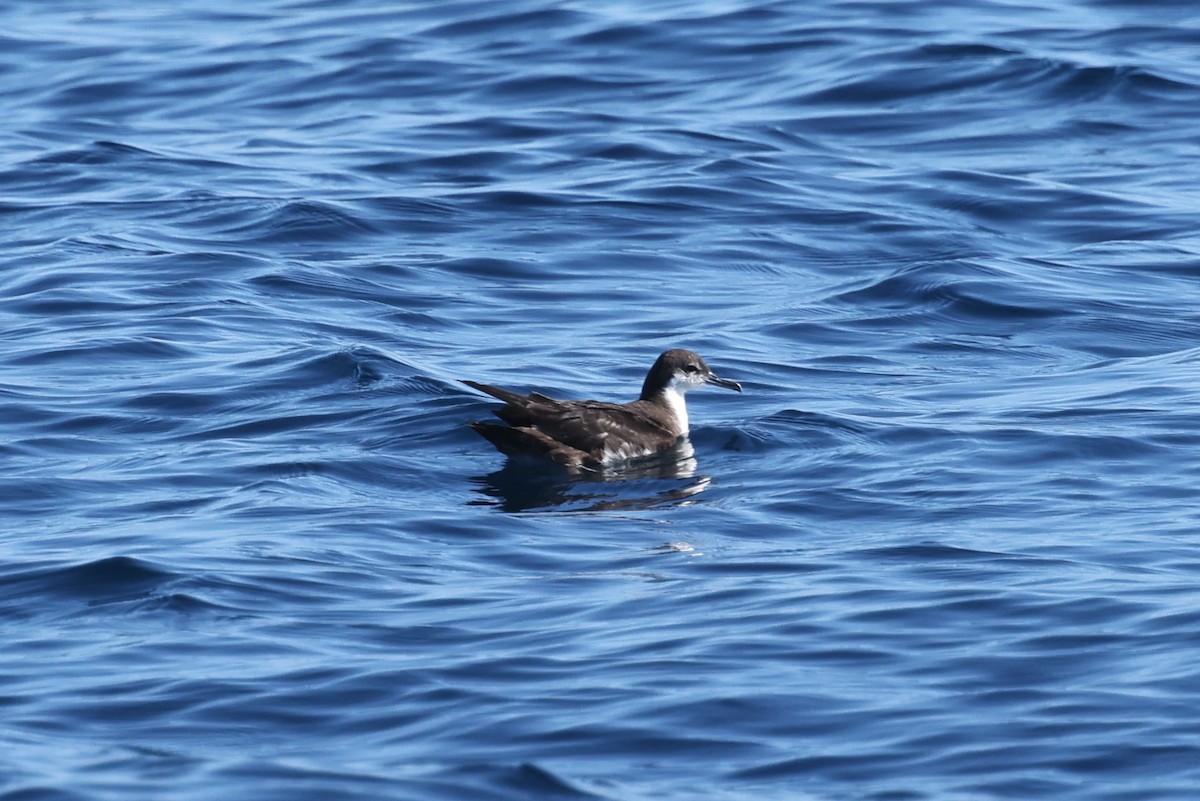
(946, 545)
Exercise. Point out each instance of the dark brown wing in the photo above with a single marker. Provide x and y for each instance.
(593, 426)
(530, 442)
(506, 395)
(587, 426)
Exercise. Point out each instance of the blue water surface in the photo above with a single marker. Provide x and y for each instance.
(946, 545)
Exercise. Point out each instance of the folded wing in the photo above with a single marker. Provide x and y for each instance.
(585, 433)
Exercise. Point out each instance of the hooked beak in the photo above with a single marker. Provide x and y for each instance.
(713, 378)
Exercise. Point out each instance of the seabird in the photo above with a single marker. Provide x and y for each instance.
(593, 434)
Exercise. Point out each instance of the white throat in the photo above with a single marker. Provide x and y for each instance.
(673, 395)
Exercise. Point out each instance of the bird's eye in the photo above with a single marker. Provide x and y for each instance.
(691, 368)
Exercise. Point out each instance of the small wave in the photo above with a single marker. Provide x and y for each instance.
(99, 152)
(359, 365)
(500, 20)
(305, 221)
(538, 781)
(109, 580)
(951, 291)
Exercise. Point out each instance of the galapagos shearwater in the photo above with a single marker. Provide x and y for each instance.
(593, 434)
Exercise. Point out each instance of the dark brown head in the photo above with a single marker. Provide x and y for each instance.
(681, 370)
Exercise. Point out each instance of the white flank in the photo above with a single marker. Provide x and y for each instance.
(624, 453)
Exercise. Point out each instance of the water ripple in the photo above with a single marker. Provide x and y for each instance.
(941, 547)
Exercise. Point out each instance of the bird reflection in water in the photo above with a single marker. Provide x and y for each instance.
(665, 479)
